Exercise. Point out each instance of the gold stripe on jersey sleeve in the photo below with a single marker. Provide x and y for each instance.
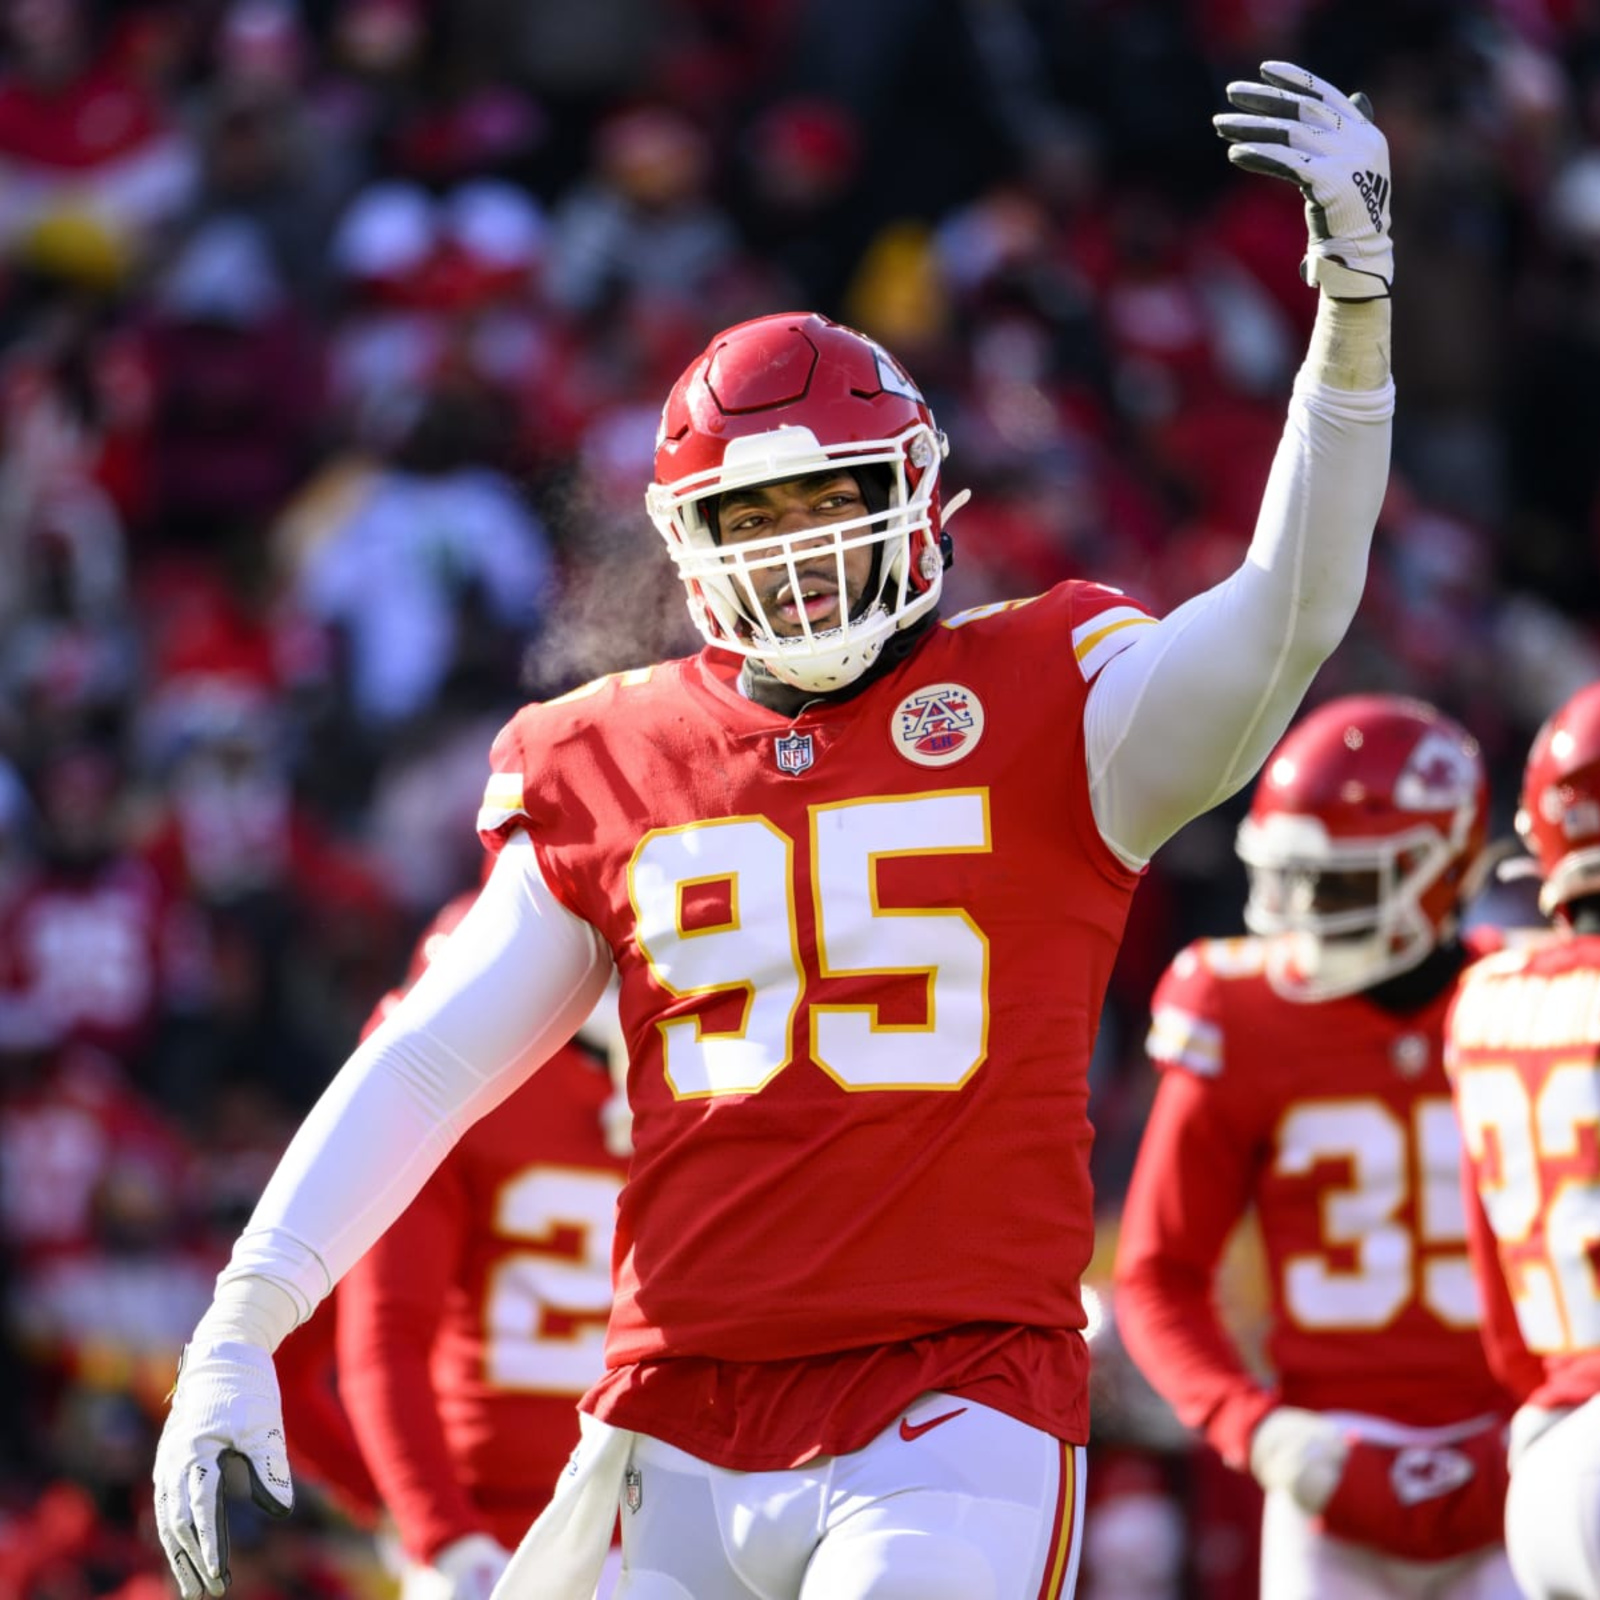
(1096, 647)
(502, 800)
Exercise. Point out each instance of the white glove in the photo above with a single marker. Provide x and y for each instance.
(470, 1567)
(224, 1403)
(1295, 126)
(1300, 1452)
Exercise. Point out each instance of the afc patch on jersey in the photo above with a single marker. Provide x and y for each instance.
(937, 725)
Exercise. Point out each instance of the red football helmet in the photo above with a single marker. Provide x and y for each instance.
(778, 398)
(1559, 817)
(1362, 833)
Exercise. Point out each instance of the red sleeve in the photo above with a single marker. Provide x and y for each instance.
(1191, 1184)
(523, 793)
(1517, 1368)
(504, 808)
(322, 1444)
(389, 1306)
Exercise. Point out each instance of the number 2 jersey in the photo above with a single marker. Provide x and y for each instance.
(1333, 1120)
(1523, 1049)
(862, 954)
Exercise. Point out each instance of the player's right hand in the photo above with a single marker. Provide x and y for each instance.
(1301, 1453)
(1293, 125)
(224, 1403)
(469, 1567)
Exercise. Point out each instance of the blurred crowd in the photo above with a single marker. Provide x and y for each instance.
(333, 335)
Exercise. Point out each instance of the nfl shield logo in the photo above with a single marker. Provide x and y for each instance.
(633, 1489)
(794, 752)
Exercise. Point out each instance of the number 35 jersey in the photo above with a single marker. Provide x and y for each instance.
(862, 956)
(1333, 1121)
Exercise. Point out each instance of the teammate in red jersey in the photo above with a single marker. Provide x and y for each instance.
(1302, 1074)
(466, 1334)
(861, 872)
(1523, 1050)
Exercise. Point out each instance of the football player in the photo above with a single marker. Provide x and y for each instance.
(862, 871)
(464, 1337)
(1302, 1075)
(1524, 1055)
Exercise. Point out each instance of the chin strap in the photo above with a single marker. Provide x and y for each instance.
(766, 690)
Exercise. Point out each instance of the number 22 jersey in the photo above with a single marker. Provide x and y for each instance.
(1523, 1049)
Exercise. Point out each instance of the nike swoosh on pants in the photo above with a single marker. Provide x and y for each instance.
(914, 1430)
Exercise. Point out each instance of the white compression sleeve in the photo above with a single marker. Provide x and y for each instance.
(511, 985)
(1189, 710)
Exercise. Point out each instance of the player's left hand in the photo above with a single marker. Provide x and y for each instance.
(1420, 1502)
(470, 1567)
(225, 1403)
(1295, 126)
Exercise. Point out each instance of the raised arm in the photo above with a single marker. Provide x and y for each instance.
(1184, 716)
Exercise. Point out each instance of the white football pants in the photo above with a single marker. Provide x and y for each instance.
(1299, 1562)
(1553, 1510)
(953, 1501)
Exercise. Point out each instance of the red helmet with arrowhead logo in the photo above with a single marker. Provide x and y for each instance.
(1559, 815)
(1362, 832)
(778, 398)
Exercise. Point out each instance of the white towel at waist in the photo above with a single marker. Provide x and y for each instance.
(561, 1555)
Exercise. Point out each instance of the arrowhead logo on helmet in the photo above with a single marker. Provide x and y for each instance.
(1362, 835)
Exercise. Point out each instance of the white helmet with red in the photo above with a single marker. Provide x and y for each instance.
(779, 398)
(1361, 841)
(1559, 815)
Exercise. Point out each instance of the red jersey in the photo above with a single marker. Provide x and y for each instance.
(1524, 1056)
(1334, 1121)
(862, 955)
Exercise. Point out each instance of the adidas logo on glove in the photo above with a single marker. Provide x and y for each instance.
(1374, 189)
